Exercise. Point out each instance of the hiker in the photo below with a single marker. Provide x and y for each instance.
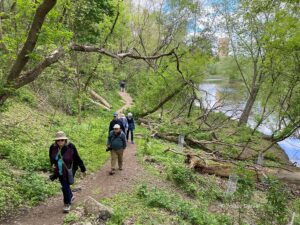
(115, 121)
(65, 160)
(124, 121)
(122, 85)
(131, 127)
(116, 143)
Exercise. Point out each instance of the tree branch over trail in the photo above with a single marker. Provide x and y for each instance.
(165, 100)
(119, 56)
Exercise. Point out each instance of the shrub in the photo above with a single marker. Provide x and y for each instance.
(275, 210)
(184, 178)
(175, 204)
(34, 188)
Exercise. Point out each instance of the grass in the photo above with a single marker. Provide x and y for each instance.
(27, 132)
(246, 205)
(150, 205)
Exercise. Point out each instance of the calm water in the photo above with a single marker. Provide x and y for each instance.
(230, 99)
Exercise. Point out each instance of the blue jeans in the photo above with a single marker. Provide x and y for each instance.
(66, 190)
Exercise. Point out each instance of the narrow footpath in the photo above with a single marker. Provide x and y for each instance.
(97, 185)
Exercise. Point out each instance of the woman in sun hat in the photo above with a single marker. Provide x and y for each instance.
(63, 157)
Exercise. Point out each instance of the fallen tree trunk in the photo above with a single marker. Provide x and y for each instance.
(224, 168)
(99, 98)
(188, 141)
(99, 104)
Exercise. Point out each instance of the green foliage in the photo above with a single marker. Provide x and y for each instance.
(70, 217)
(184, 178)
(92, 20)
(34, 188)
(24, 189)
(175, 204)
(24, 144)
(27, 97)
(276, 209)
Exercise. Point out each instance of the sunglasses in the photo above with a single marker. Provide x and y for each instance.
(116, 128)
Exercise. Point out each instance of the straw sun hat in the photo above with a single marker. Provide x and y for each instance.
(60, 135)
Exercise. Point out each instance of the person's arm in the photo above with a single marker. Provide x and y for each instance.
(124, 140)
(78, 160)
(52, 161)
(133, 124)
(109, 139)
(110, 127)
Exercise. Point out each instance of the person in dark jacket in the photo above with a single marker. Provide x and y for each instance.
(115, 121)
(131, 127)
(122, 85)
(116, 143)
(63, 154)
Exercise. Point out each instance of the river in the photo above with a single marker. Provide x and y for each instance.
(216, 89)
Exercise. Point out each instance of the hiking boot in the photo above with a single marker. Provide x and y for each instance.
(120, 168)
(111, 172)
(67, 208)
(132, 142)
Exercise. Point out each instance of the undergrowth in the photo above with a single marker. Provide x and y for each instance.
(27, 131)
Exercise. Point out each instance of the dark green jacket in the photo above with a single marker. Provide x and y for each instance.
(117, 142)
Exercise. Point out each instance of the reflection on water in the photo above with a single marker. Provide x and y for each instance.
(229, 98)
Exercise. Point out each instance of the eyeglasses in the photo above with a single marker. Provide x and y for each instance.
(60, 140)
(116, 128)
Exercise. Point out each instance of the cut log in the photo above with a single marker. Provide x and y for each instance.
(99, 104)
(99, 98)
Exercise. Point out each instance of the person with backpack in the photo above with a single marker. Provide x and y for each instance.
(131, 127)
(116, 144)
(65, 160)
(115, 121)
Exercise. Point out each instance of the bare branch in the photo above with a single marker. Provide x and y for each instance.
(119, 56)
(33, 74)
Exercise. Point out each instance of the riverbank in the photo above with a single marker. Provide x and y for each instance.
(217, 90)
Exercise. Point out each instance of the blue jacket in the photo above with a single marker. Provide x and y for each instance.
(124, 121)
(114, 122)
(131, 125)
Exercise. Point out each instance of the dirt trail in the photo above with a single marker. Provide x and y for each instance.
(97, 185)
(127, 101)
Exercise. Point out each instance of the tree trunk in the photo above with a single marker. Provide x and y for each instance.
(3, 97)
(31, 40)
(15, 79)
(247, 110)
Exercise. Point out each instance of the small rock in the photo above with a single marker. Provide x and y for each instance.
(102, 212)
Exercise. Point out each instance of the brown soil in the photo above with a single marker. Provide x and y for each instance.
(97, 185)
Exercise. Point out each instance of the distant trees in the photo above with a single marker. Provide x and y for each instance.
(265, 33)
(30, 30)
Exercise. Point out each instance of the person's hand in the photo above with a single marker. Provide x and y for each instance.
(54, 166)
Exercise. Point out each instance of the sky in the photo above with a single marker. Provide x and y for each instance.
(209, 17)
